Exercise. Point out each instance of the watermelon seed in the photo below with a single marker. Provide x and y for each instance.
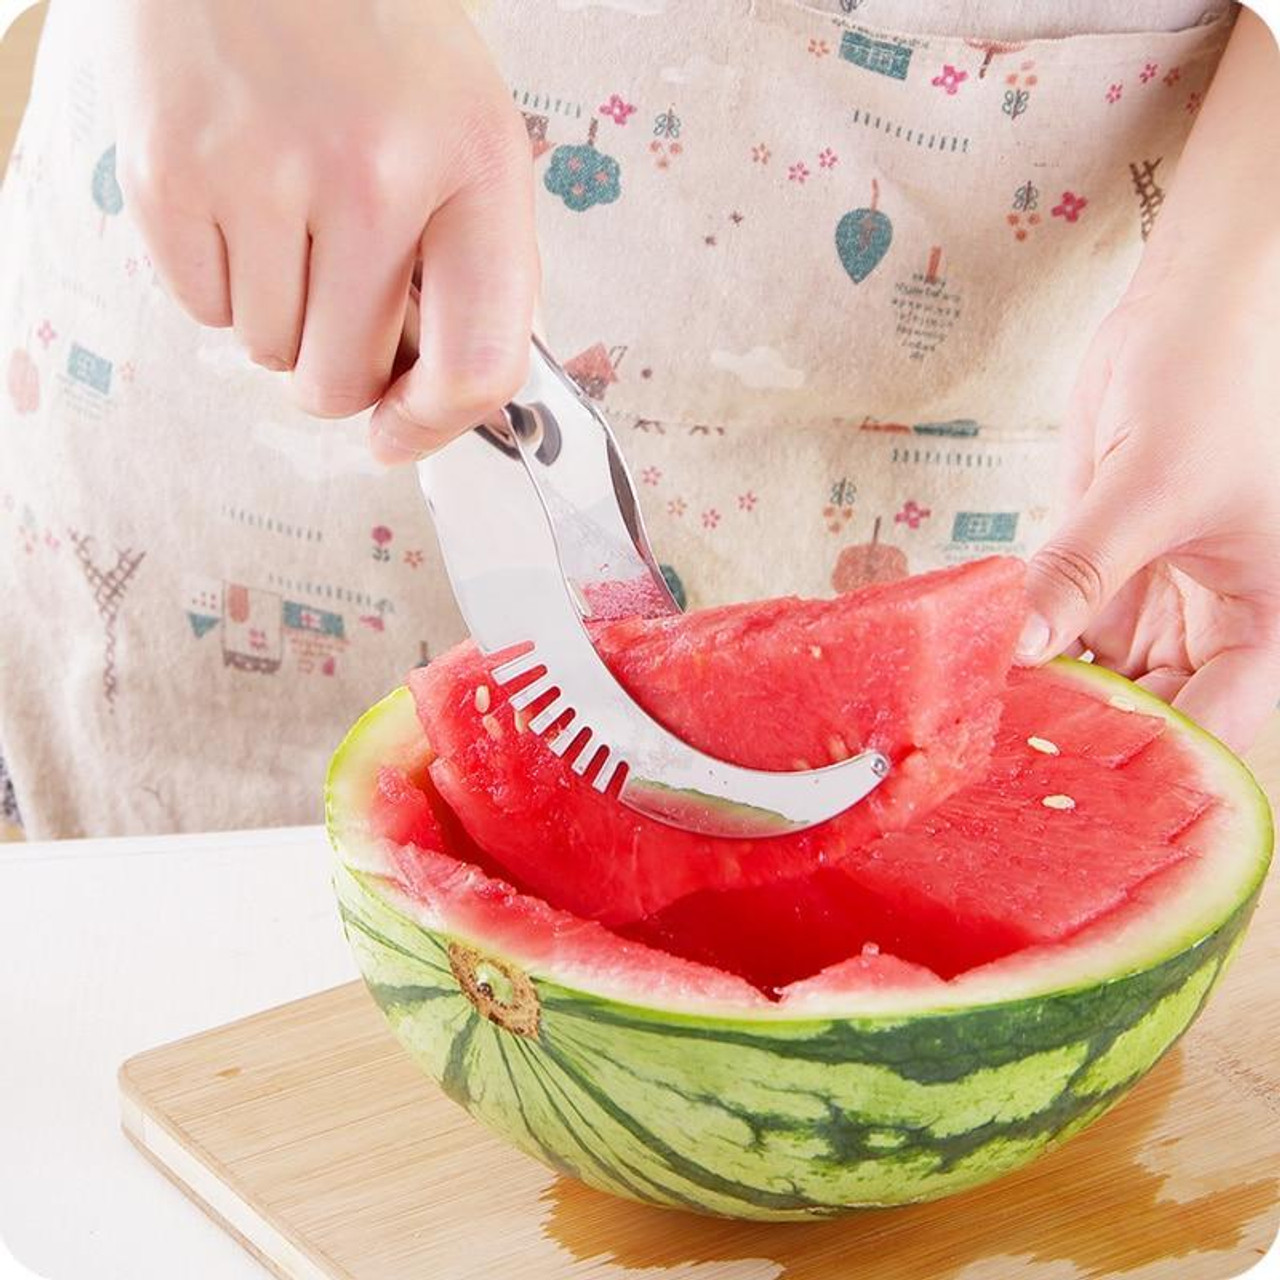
(1043, 745)
(492, 727)
(483, 700)
(485, 989)
(522, 721)
(815, 651)
(1121, 703)
(838, 748)
(800, 765)
(1058, 802)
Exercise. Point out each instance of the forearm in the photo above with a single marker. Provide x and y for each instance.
(1224, 204)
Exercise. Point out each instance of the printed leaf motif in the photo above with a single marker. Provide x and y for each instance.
(862, 239)
(106, 190)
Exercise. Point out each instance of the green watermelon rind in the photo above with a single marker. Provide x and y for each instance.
(768, 1113)
(768, 1119)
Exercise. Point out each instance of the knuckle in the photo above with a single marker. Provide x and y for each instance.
(493, 144)
(370, 183)
(157, 172)
(1079, 571)
(491, 382)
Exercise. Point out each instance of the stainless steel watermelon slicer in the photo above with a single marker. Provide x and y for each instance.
(541, 532)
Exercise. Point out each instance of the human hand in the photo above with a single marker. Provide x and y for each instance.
(1167, 565)
(289, 162)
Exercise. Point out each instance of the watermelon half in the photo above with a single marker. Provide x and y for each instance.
(909, 1000)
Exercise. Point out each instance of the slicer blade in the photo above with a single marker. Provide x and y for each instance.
(541, 535)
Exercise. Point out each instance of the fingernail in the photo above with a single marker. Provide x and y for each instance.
(1034, 639)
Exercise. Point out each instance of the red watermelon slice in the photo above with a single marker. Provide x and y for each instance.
(914, 668)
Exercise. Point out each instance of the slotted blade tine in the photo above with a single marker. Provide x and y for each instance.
(608, 766)
(564, 738)
(584, 759)
(547, 716)
(516, 667)
(531, 693)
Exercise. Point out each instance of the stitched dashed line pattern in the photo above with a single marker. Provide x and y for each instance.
(545, 103)
(945, 457)
(270, 524)
(929, 141)
(328, 591)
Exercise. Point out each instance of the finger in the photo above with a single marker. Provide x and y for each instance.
(1081, 420)
(1122, 523)
(1165, 682)
(268, 275)
(1233, 694)
(480, 275)
(1122, 635)
(190, 257)
(407, 343)
(355, 304)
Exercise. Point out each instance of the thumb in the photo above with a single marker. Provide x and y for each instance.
(1119, 526)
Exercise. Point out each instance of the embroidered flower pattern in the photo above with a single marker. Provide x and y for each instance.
(949, 79)
(1070, 207)
(798, 172)
(1114, 93)
(617, 109)
(912, 514)
(381, 536)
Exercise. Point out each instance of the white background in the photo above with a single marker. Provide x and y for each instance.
(108, 948)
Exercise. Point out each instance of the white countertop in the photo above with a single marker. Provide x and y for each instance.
(110, 947)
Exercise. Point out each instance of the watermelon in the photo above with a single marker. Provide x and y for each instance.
(748, 683)
(902, 1003)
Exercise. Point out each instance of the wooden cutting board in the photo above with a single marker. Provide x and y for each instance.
(310, 1135)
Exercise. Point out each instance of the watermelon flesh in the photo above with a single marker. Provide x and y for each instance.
(956, 863)
(777, 685)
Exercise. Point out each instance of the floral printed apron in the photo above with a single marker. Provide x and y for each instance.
(829, 268)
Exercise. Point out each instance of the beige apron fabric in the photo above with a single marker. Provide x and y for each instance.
(830, 281)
